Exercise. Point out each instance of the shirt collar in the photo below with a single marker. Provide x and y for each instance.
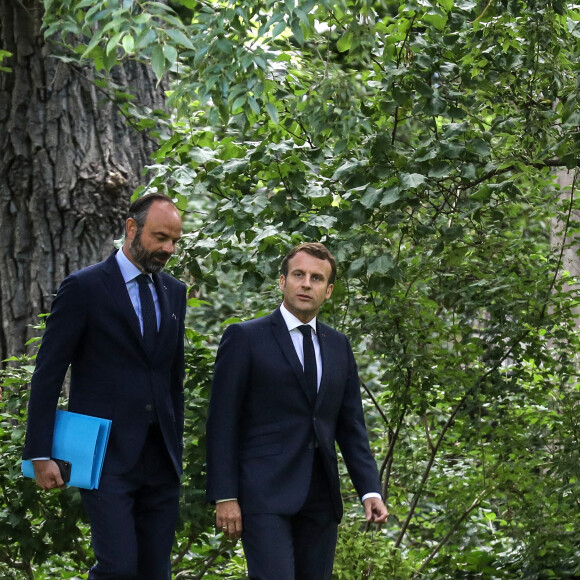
(128, 270)
(292, 322)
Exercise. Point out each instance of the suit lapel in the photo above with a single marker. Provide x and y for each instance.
(282, 335)
(117, 289)
(163, 296)
(325, 357)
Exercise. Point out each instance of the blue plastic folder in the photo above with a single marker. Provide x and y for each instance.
(82, 440)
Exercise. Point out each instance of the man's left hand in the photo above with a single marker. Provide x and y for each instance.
(375, 510)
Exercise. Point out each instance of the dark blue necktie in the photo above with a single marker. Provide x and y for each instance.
(148, 313)
(309, 360)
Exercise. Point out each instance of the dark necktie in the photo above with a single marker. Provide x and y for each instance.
(309, 359)
(148, 313)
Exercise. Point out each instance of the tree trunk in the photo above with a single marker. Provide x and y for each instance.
(68, 166)
(569, 246)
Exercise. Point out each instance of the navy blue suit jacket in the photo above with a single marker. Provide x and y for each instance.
(262, 427)
(93, 328)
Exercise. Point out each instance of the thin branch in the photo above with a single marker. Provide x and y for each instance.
(428, 433)
(453, 529)
(390, 456)
(375, 402)
(443, 433)
(484, 11)
(563, 245)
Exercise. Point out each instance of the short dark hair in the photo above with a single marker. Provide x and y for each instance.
(315, 249)
(141, 206)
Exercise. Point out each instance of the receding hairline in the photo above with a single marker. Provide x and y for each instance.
(139, 209)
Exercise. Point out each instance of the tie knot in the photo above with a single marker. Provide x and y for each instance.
(306, 330)
(143, 279)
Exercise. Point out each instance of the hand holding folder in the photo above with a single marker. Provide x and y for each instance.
(80, 440)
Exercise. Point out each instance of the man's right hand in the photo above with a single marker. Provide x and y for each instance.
(47, 474)
(228, 518)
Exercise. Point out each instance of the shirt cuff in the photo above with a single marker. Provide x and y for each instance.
(372, 494)
(230, 499)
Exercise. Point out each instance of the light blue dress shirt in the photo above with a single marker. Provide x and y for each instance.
(129, 272)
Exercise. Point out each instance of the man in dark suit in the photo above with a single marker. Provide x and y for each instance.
(285, 390)
(119, 325)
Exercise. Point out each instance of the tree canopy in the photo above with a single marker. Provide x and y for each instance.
(421, 141)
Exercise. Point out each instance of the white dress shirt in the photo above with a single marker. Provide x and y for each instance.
(297, 338)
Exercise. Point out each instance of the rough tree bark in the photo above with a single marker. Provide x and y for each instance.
(68, 166)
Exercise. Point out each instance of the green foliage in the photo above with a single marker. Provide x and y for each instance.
(34, 525)
(419, 141)
(43, 534)
(195, 547)
(362, 555)
(4, 54)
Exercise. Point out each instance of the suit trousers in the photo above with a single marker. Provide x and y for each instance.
(299, 546)
(133, 517)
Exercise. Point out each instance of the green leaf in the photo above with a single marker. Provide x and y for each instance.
(297, 31)
(147, 39)
(347, 168)
(170, 54)
(390, 196)
(158, 62)
(128, 44)
(113, 43)
(412, 180)
(357, 266)
(345, 42)
(371, 197)
(254, 105)
(272, 112)
(325, 222)
(110, 60)
(381, 265)
(179, 37)
(202, 155)
(95, 40)
(278, 29)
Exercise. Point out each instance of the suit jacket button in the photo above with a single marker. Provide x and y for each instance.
(311, 445)
(149, 407)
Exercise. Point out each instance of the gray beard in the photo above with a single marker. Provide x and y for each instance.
(147, 260)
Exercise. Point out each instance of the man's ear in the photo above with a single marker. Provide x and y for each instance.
(282, 283)
(329, 290)
(130, 229)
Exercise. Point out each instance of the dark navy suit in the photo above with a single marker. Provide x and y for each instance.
(264, 430)
(93, 328)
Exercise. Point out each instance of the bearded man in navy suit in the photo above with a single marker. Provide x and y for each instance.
(96, 327)
(285, 391)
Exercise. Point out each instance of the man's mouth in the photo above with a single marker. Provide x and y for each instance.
(162, 256)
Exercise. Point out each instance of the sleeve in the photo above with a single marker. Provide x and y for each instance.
(178, 370)
(352, 437)
(230, 381)
(64, 330)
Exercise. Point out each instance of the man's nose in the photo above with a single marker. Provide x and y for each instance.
(168, 247)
